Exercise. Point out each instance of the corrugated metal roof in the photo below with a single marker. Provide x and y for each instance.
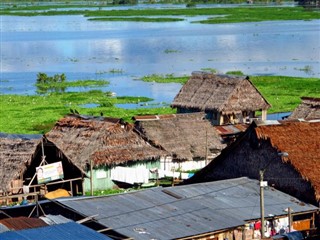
(20, 136)
(55, 219)
(200, 208)
(231, 129)
(19, 223)
(64, 231)
(3, 228)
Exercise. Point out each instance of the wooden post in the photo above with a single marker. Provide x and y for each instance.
(37, 205)
(71, 189)
(221, 119)
(91, 177)
(206, 146)
(313, 220)
(264, 115)
(77, 188)
(289, 218)
(262, 203)
(82, 183)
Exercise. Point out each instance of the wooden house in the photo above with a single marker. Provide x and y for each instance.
(224, 98)
(308, 109)
(190, 139)
(21, 155)
(288, 152)
(15, 152)
(109, 150)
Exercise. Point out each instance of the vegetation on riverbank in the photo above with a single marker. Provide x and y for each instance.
(38, 113)
(215, 15)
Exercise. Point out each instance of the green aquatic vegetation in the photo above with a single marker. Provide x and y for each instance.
(284, 93)
(237, 73)
(165, 78)
(38, 113)
(45, 85)
(218, 15)
(211, 70)
(247, 14)
(115, 70)
(307, 69)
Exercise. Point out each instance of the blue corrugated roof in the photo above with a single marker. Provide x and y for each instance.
(189, 210)
(22, 136)
(64, 231)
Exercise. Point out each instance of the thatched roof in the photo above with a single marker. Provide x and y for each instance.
(308, 109)
(222, 93)
(301, 140)
(105, 141)
(16, 151)
(184, 136)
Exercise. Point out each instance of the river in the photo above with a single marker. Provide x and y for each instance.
(123, 52)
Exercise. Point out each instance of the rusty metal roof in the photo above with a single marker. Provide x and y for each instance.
(20, 223)
(231, 129)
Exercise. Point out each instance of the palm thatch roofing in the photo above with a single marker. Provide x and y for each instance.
(16, 152)
(308, 109)
(184, 136)
(221, 93)
(301, 140)
(105, 141)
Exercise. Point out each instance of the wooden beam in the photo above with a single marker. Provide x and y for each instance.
(19, 195)
(104, 230)
(87, 218)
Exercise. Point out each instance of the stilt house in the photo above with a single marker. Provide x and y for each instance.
(21, 155)
(224, 98)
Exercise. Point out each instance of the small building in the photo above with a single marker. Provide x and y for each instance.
(19, 158)
(227, 209)
(107, 149)
(15, 153)
(224, 98)
(288, 152)
(309, 108)
(190, 139)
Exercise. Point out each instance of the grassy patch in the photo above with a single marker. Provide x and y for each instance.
(237, 73)
(37, 114)
(167, 78)
(61, 86)
(284, 93)
(211, 70)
